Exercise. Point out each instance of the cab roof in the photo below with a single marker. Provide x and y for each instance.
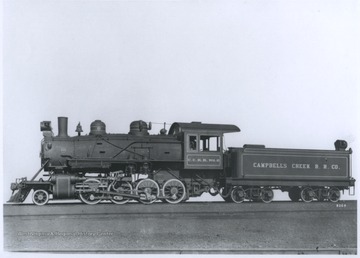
(178, 127)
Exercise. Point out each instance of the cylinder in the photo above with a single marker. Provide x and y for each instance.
(64, 186)
(63, 126)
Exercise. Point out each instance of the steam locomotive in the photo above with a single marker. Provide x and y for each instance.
(186, 162)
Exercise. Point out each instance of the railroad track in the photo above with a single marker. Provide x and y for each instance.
(183, 208)
(194, 227)
(338, 251)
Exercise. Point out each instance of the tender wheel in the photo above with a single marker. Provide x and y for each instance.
(238, 194)
(266, 195)
(88, 192)
(120, 187)
(174, 190)
(334, 194)
(148, 190)
(40, 197)
(307, 194)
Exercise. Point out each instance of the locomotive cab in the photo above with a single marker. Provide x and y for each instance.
(203, 143)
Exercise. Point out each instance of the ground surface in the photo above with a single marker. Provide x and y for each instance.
(278, 227)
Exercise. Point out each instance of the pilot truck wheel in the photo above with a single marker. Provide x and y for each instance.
(40, 197)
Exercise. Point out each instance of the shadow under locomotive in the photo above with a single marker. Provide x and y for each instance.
(172, 167)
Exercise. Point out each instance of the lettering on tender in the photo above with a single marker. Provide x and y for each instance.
(269, 165)
(301, 166)
(294, 166)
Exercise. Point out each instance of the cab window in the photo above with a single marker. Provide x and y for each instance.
(209, 143)
(193, 143)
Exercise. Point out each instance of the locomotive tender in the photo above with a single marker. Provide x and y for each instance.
(185, 162)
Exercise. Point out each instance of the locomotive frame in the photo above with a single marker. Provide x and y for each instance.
(173, 167)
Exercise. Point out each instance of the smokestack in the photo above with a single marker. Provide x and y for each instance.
(63, 126)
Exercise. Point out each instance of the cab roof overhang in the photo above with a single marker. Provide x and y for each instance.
(198, 126)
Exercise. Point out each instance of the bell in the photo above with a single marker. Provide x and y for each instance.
(79, 129)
